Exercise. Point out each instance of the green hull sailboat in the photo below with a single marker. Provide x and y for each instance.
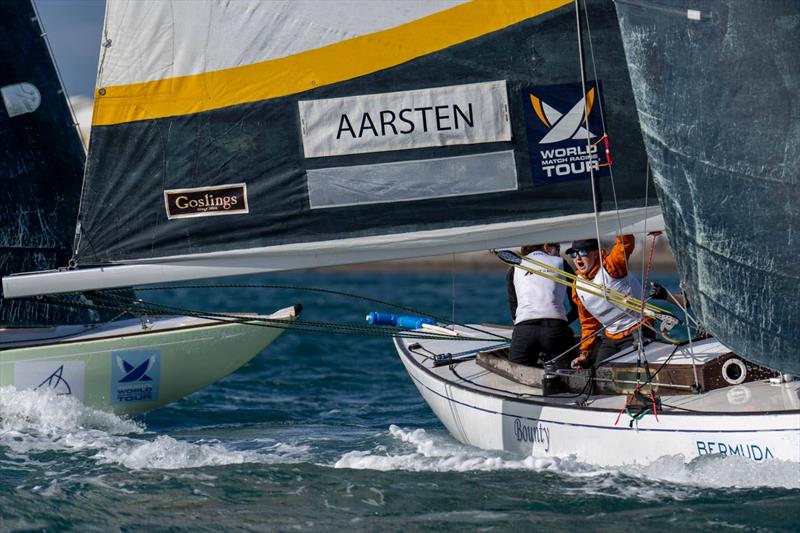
(80, 345)
(134, 366)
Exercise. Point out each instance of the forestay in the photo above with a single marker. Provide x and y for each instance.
(239, 137)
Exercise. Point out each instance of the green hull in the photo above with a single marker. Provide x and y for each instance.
(135, 373)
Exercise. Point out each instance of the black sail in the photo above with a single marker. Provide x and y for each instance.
(41, 164)
(717, 86)
(148, 143)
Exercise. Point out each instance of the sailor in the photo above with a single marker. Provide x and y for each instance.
(541, 321)
(621, 326)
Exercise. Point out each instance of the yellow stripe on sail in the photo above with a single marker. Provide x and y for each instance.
(311, 69)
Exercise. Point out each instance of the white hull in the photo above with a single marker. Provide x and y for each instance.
(759, 420)
(130, 367)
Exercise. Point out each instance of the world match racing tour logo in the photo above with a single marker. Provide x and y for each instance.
(561, 124)
(135, 376)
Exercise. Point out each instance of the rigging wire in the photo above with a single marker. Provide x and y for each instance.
(623, 299)
(333, 328)
(140, 307)
(602, 115)
(588, 132)
(46, 39)
(645, 272)
(453, 293)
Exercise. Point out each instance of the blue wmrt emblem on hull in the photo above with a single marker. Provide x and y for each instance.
(562, 144)
(135, 376)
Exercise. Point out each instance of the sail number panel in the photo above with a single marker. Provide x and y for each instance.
(442, 116)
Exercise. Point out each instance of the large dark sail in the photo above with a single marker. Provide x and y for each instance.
(297, 184)
(41, 163)
(237, 137)
(717, 86)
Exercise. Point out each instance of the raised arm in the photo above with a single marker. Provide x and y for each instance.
(616, 261)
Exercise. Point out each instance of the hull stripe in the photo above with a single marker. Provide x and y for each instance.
(590, 426)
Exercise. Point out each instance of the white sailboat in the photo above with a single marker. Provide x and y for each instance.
(758, 420)
(127, 365)
(729, 407)
(330, 133)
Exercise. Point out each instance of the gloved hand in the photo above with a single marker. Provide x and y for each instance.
(657, 292)
(581, 361)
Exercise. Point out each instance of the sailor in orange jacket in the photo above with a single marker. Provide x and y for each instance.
(596, 312)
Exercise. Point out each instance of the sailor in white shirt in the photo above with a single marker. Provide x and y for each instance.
(540, 310)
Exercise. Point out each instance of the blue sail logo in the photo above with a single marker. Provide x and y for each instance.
(562, 143)
(564, 126)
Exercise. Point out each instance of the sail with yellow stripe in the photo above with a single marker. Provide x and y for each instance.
(242, 137)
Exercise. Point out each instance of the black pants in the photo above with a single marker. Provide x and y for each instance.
(541, 340)
(607, 347)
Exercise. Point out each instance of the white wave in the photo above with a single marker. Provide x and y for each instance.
(167, 453)
(418, 451)
(442, 454)
(37, 421)
(716, 471)
(42, 420)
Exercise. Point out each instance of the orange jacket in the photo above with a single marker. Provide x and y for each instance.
(616, 264)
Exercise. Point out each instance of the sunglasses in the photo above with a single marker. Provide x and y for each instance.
(582, 253)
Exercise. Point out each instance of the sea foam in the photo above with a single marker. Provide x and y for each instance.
(418, 451)
(32, 422)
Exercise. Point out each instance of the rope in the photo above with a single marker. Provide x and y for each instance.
(616, 297)
(145, 308)
(603, 120)
(453, 290)
(648, 405)
(588, 132)
(321, 291)
(645, 277)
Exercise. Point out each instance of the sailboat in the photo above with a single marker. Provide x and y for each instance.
(686, 66)
(105, 358)
(243, 137)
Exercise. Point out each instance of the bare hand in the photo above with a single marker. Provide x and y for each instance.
(581, 360)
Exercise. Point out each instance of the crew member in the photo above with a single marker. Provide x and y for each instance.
(595, 311)
(538, 309)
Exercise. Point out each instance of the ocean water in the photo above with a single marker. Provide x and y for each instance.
(327, 432)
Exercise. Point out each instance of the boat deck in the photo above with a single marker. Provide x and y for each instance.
(748, 398)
